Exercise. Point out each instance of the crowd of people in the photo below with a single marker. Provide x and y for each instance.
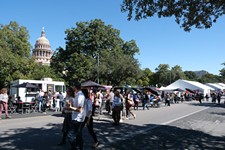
(49, 100)
(80, 105)
(177, 97)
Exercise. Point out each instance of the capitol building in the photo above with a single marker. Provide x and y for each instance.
(42, 51)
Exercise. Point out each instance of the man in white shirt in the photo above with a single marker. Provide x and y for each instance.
(61, 97)
(78, 116)
(40, 100)
(111, 94)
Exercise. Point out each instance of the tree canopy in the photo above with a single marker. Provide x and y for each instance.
(93, 51)
(15, 39)
(96, 51)
(187, 13)
(15, 59)
(15, 52)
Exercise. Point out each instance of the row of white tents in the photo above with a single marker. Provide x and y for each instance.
(194, 86)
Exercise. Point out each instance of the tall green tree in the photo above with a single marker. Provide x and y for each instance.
(187, 13)
(96, 51)
(190, 75)
(15, 38)
(210, 78)
(177, 73)
(146, 78)
(162, 76)
(15, 59)
(222, 71)
(14, 53)
(71, 67)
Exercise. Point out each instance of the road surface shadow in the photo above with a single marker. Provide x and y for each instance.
(163, 137)
(122, 137)
(218, 113)
(208, 104)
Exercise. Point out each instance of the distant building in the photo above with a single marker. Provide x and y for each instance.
(42, 51)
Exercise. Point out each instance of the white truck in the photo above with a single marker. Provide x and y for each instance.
(28, 94)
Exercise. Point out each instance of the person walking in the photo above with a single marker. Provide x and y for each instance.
(67, 115)
(78, 115)
(145, 99)
(4, 103)
(60, 95)
(167, 99)
(136, 101)
(40, 100)
(116, 108)
(111, 94)
(207, 97)
(88, 118)
(129, 103)
(219, 95)
(214, 97)
(44, 102)
(107, 101)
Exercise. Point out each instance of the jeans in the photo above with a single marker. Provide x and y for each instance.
(40, 106)
(60, 105)
(89, 123)
(144, 104)
(75, 136)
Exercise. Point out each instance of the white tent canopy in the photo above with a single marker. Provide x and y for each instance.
(221, 84)
(192, 85)
(215, 86)
(162, 88)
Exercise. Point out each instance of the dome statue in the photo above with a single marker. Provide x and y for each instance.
(42, 51)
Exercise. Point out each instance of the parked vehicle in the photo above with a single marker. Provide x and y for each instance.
(27, 94)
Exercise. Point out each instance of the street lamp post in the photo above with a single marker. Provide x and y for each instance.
(98, 68)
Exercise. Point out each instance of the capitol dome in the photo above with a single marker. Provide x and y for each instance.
(42, 40)
(42, 51)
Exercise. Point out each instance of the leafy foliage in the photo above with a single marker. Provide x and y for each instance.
(162, 75)
(15, 52)
(15, 59)
(177, 73)
(93, 51)
(190, 75)
(15, 38)
(210, 78)
(96, 51)
(146, 78)
(187, 13)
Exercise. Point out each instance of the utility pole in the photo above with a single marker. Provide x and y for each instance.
(98, 68)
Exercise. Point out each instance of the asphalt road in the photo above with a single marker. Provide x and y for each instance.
(188, 126)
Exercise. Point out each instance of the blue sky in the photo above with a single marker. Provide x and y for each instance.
(161, 41)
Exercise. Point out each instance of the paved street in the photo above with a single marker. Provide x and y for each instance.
(181, 126)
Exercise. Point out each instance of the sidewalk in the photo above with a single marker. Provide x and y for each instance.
(32, 114)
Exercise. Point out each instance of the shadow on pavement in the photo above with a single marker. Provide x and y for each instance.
(32, 138)
(120, 137)
(218, 113)
(208, 104)
(162, 137)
